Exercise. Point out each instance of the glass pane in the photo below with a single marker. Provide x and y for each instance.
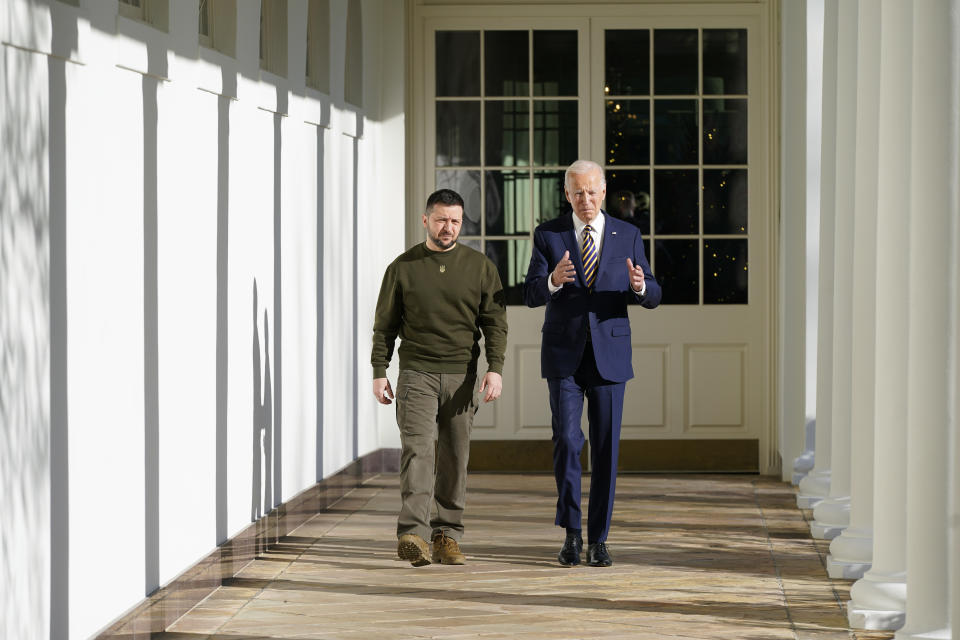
(507, 133)
(677, 268)
(473, 243)
(458, 63)
(458, 133)
(724, 271)
(675, 61)
(725, 201)
(676, 201)
(628, 197)
(204, 27)
(549, 201)
(508, 203)
(512, 258)
(724, 61)
(506, 63)
(628, 132)
(627, 60)
(467, 184)
(554, 63)
(725, 131)
(675, 132)
(554, 132)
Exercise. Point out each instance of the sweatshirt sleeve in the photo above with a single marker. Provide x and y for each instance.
(386, 322)
(493, 317)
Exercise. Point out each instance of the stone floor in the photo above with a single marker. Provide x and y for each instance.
(694, 557)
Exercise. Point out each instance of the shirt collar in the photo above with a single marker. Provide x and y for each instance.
(597, 225)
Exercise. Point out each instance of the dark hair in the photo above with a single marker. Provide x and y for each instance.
(446, 197)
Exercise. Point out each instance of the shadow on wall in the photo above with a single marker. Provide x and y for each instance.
(319, 308)
(223, 225)
(262, 485)
(277, 298)
(151, 323)
(33, 321)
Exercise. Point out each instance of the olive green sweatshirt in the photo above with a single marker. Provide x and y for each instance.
(439, 302)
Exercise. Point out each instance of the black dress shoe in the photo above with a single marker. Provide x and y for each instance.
(598, 556)
(570, 551)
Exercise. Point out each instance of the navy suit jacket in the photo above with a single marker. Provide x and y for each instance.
(574, 307)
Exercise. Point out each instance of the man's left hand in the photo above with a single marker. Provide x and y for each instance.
(493, 384)
(635, 273)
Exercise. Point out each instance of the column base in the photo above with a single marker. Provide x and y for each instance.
(832, 516)
(813, 488)
(878, 602)
(874, 620)
(802, 466)
(938, 634)
(851, 554)
(845, 570)
(825, 531)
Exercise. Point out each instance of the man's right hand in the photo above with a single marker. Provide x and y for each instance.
(382, 390)
(564, 272)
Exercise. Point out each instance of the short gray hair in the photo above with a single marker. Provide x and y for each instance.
(580, 167)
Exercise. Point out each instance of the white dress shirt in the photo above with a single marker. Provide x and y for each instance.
(596, 232)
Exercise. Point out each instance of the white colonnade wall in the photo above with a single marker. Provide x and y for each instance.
(891, 99)
(192, 249)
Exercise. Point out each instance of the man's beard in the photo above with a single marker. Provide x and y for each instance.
(441, 245)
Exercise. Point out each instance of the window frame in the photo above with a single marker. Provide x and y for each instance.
(131, 11)
(701, 237)
(205, 39)
(274, 34)
(317, 70)
(578, 25)
(222, 26)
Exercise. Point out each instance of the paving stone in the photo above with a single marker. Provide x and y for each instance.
(695, 557)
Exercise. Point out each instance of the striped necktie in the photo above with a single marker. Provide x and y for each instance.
(588, 250)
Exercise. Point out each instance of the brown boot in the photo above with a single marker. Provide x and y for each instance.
(446, 550)
(414, 549)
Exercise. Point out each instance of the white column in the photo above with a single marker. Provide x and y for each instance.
(814, 96)
(932, 181)
(803, 463)
(813, 58)
(954, 386)
(878, 600)
(815, 486)
(793, 218)
(832, 514)
(851, 552)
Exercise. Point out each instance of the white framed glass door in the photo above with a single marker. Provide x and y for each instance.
(677, 108)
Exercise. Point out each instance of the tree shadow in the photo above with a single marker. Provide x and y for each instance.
(772, 615)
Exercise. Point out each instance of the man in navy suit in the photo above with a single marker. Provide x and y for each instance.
(587, 267)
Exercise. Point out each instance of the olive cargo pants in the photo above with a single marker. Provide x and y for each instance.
(435, 415)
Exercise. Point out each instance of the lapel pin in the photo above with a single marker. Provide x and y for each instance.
(613, 233)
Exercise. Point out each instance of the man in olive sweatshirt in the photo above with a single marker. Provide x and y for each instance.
(438, 297)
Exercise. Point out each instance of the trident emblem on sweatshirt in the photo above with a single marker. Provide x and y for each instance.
(443, 268)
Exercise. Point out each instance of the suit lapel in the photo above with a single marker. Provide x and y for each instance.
(607, 248)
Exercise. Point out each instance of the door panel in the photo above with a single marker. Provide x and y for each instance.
(645, 403)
